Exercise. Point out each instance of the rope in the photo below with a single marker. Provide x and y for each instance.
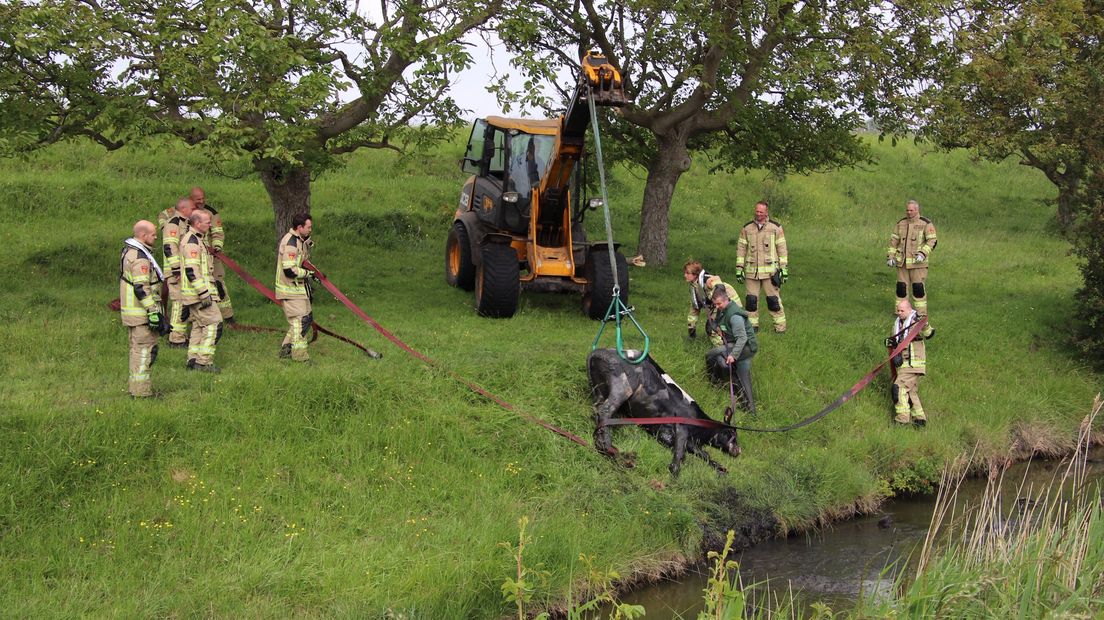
(336, 292)
(617, 308)
(843, 398)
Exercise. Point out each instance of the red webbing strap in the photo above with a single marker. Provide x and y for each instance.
(336, 292)
(248, 277)
(267, 292)
(846, 396)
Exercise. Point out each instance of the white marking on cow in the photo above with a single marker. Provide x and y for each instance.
(685, 396)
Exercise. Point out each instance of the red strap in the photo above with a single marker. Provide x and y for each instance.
(267, 292)
(405, 347)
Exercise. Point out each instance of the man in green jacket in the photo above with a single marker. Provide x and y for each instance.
(738, 347)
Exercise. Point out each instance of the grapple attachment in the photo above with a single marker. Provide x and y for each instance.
(604, 80)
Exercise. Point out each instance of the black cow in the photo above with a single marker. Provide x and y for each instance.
(645, 391)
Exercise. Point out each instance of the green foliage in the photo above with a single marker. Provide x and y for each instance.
(1089, 246)
(261, 87)
(376, 488)
(776, 85)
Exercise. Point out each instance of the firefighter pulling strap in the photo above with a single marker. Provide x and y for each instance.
(264, 290)
(617, 308)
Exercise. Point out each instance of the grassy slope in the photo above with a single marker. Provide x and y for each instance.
(357, 486)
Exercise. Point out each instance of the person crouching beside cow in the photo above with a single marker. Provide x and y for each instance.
(734, 354)
(701, 290)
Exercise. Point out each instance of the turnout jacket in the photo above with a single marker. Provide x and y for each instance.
(198, 281)
(701, 298)
(173, 230)
(911, 237)
(139, 287)
(914, 357)
(217, 235)
(761, 250)
(291, 276)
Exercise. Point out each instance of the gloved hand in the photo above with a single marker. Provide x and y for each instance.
(921, 257)
(313, 275)
(692, 332)
(785, 274)
(891, 262)
(205, 303)
(154, 319)
(739, 274)
(889, 344)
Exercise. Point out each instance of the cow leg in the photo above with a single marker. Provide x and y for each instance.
(699, 451)
(619, 392)
(681, 437)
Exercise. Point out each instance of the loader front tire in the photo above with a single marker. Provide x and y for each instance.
(459, 268)
(496, 282)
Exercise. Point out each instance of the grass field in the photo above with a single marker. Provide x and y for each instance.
(363, 488)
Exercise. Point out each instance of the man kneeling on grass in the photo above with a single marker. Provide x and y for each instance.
(738, 345)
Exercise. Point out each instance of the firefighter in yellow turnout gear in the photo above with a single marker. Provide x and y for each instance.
(701, 295)
(140, 280)
(910, 247)
(292, 287)
(173, 229)
(198, 295)
(911, 366)
(763, 261)
(216, 239)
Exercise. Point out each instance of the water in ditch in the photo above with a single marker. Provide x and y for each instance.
(861, 555)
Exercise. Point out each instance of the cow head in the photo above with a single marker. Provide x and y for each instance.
(725, 440)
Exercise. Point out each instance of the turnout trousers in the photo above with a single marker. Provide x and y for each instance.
(218, 271)
(912, 282)
(764, 292)
(907, 407)
(178, 322)
(298, 314)
(143, 351)
(206, 332)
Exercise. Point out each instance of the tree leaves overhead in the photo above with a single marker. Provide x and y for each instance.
(275, 83)
(775, 83)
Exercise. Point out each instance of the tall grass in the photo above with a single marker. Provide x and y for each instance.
(361, 487)
(1044, 557)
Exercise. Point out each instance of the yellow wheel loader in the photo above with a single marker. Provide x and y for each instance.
(519, 223)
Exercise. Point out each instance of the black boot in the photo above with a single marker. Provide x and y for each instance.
(743, 374)
(285, 351)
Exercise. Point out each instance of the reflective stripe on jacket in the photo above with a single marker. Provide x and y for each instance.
(761, 251)
(291, 277)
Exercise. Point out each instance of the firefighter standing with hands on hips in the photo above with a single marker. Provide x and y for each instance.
(763, 261)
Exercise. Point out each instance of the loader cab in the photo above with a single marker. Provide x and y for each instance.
(508, 158)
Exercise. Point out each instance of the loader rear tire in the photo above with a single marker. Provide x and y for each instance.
(599, 293)
(459, 268)
(496, 282)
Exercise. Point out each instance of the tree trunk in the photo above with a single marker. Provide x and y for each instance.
(289, 190)
(1068, 202)
(672, 159)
